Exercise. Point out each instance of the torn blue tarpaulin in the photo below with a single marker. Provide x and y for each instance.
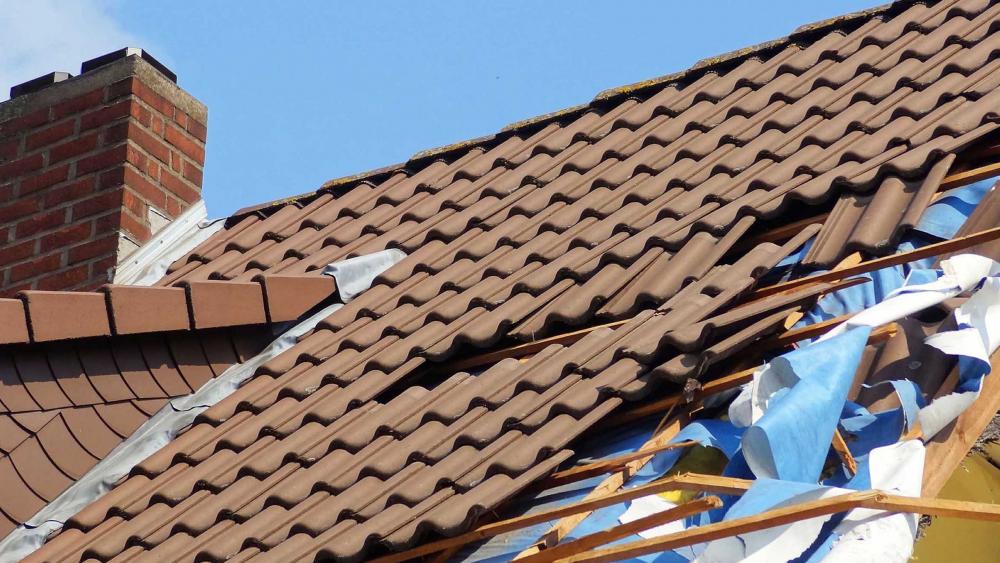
(800, 397)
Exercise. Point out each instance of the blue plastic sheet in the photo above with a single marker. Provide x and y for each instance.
(791, 441)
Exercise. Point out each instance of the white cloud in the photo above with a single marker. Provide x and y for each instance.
(41, 36)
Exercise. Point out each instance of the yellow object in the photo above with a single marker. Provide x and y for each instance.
(951, 539)
(698, 459)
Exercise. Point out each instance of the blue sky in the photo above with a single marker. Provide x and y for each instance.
(301, 92)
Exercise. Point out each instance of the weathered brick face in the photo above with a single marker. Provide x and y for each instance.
(86, 179)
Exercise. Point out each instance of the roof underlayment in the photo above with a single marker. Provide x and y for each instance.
(620, 269)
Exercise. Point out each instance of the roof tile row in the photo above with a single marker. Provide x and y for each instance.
(44, 316)
(64, 406)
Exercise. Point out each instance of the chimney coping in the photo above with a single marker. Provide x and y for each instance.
(36, 84)
(105, 75)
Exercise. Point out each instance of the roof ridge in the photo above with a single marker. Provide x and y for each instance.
(805, 32)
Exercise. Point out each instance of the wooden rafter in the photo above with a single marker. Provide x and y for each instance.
(600, 467)
(876, 500)
(683, 482)
(730, 381)
(929, 251)
(950, 446)
(605, 537)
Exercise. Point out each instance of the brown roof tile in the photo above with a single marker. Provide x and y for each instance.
(645, 208)
(289, 297)
(147, 309)
(67, 404)
(14, 328)
(57, 315)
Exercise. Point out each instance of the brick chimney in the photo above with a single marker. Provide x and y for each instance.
(91, 167)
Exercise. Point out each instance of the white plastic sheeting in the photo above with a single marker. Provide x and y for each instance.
(150, 261)
(355, 274)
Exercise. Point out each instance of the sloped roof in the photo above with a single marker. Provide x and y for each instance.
(653, 207)
(82, 371)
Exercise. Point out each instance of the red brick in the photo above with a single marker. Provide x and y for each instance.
(154, 100)
(50, 135)
(99, 269)
(148, 143)
(9, 149)
(73, 148)
(175, 162)
(36, 267)
(70, 192)
(117, 133)
(197, 130)
(179, 188)
(190, 148)
(93, 249)
(138, 229)
(11, 291)
(25, 122)
(136, 157)
(137, 182)
(107, 223)
(21, 166)
(119, 89)
(39, 222)
(112, 178)
(19, 209)
(141, 114)
(104, 201)
(76, 105)
(173, 207)
(193, 173)
(105, 115)
(66, 236)
(66, 279)
(133, 203)
(7, 192)
(41, 181)
(157, 126)
(99, 161)
(15, 252)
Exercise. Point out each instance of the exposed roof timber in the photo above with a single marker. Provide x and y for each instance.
(685, 481)
(929, 251)
(732, 380)
(875, 500)
(624, 530)
(668, 429)
(947, 450)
